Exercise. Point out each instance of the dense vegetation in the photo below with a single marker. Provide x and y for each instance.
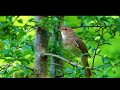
(101, 34)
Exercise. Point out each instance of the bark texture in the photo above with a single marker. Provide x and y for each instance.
(41, 46)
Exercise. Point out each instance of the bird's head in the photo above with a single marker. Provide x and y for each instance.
(65, 30)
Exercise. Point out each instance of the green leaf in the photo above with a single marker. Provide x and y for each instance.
(16, 29)
(37, 24)
(17, 63)
(25, 62)
(10, 18)
(98, 51)
(89, 45)
(72, 75)
(99, 17)
(20, 21)
(107, 43)
(107, 60)
(106, 65)
(1, 45)
(89, 19)
(117, 19)
(97, 38)
(1, 73)
(118, 56)
(1, 23)
(83, 24)
(92, 50)
(102, 39)
(103, 59)
(118, 28)
(5, 51)
(6, 43)
(10, 70)
(114, 70)
(83, 28)
(31, 20)
(105, 19)
(27, 49)
(105, 76)
(71, 21)
(99, 66)
(55, 19)
(92, 24)
(22, 38)
(68, 70)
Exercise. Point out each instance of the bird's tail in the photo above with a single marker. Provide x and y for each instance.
(85, 63)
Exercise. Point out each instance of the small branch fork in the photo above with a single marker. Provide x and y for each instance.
(98, 44)
(9, 64)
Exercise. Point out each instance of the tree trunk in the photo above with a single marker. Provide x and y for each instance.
(41, 46)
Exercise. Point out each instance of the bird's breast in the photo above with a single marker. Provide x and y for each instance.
(70, 46)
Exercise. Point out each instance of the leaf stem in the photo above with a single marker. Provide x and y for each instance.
(98, 44)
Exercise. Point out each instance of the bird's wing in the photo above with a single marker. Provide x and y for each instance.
(80, 44)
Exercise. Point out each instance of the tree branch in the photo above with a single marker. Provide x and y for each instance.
(69, 61)
(93, 26)
(13, 22)
(98, 44)
(8, 65)
(28, 68)
(95, 54)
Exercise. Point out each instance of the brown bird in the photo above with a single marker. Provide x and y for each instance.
(75, 45)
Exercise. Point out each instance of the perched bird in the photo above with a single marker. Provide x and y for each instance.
(75, 45)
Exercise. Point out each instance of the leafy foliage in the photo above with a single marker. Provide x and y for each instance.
(16, 49)
(100, 34)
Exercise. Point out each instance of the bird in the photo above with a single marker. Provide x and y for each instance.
(72, 43)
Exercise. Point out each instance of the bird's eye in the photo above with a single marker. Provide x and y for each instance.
(65, 28)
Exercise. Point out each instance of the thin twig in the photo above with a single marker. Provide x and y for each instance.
(104, 23)
(95, 54)
(13, 22)
(29, 68)
(88, 26)
(69, 61)
(8, 65)
(26, 67)
(29, 29)
(91, 26)
(98, 44)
